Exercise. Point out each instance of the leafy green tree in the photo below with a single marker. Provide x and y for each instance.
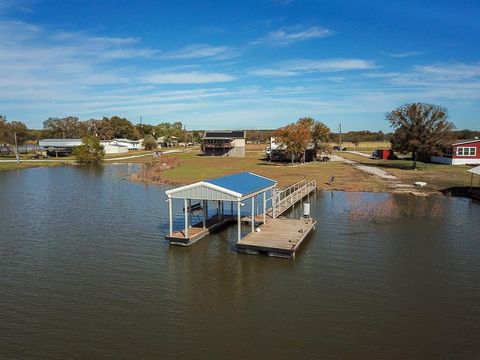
(197, 137)
(170, 129)
(105, 129)
(145, 129)
(420, 128)
(3, 129)
(90, 151)
(122, 128)
(67, 128)
(149, 142)
(19, 128)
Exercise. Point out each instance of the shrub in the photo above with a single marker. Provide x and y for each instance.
(90, 151)
(149, 142)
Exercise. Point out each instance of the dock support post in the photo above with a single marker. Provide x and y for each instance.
(219, 210)
(264, 207)
(189, 212)
(273, 203)
(239, 222)
(231, 207)
(185, 204)
(253, 214)
(170, 215)
(204, 207)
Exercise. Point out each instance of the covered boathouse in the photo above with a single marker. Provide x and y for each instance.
(235, 190)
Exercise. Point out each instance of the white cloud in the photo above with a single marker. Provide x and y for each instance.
(450, 71)
(198, 51)
(284, 37)
(303, 66)
(18, 5)
(438, 74)
(192, 77)
(405, 54)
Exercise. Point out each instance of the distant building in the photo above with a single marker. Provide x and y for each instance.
(59, 147)
(64, 147)
(167, 141)
(130, 144)
(278, 152)
(224, 143)
(464, 152)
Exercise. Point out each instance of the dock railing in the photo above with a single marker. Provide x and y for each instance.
(288, 197)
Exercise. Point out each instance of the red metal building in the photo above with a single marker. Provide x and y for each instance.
(465, 152)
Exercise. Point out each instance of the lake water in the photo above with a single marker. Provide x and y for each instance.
(85, 273)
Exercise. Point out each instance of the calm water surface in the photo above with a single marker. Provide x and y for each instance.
(85, 273)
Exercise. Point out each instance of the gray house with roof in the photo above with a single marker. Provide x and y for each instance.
(224, 143)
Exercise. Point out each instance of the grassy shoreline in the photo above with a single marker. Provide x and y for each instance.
(195, 167)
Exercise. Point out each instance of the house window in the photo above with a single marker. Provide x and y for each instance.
(466, 151)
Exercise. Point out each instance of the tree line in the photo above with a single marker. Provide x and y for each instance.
(71, 127)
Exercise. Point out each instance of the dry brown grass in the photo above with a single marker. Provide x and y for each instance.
(195, 167)
(29, 164)
(153, 172)
(392, 209)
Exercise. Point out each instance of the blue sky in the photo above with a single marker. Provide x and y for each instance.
(239, 64)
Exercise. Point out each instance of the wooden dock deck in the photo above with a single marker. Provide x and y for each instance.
(278, 237)
(197, 232)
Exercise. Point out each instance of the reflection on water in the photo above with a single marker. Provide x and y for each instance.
(85, 273)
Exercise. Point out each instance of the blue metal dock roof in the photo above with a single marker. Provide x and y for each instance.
(244, 183)
(230, 188)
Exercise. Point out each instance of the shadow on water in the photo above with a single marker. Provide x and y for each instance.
(460, 191)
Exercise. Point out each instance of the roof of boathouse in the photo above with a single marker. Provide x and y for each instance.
(228, 188)
(475, 170)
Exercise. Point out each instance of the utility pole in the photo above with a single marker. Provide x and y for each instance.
(16, 146)
(340, 133)
(185, 132)
(270, 154)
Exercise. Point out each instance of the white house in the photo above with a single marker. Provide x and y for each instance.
(65, 146)
(130, 144)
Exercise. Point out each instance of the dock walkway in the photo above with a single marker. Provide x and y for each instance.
(290, 196)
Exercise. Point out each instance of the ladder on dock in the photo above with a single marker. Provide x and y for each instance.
(285, 199)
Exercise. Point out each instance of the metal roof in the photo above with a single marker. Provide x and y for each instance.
(228, 188)
(228, 134)
(475, 170)
(461, 142)
(65, 143)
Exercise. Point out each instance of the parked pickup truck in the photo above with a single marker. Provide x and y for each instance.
(324, 156)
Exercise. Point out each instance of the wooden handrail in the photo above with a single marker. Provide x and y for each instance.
(294, 193)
